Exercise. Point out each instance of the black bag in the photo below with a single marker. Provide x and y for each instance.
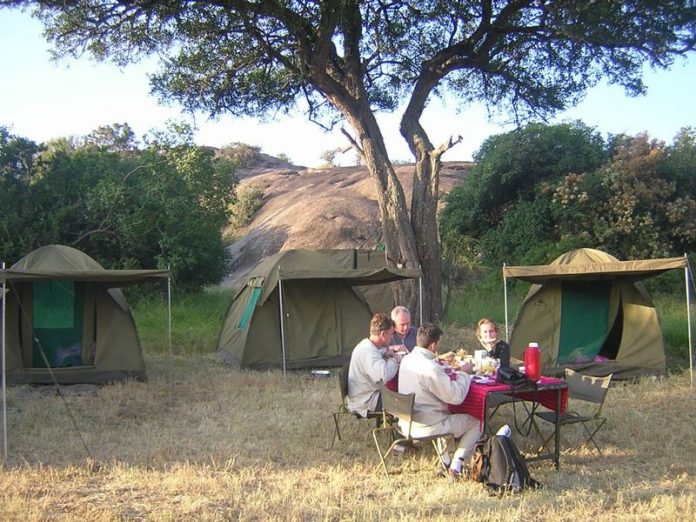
(507, 375)
(499, 465)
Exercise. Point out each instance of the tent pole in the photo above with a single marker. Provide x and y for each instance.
(169, 333)
(4, 373)
(420, 298)
(282, 329)
(505, 294)
(688, 317)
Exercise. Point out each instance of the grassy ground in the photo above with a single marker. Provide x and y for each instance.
(202, 441)
(219, 444)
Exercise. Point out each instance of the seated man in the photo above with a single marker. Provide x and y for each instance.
(420, 373)
(372, 363)
(404, 333)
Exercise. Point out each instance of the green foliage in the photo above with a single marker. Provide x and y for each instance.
(485, 298)
(541, 191)
(196, 320)
(16, 167)
(328, 157)
(505, 202)
(240, 154)
(163, 205)
(641, 203)
(243, 209)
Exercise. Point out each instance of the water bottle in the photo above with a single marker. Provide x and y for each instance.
(532, 362)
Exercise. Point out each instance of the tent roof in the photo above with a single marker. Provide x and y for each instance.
(69, 264)
(587, 263)
(318, 264)
(352, 276)
(118, 277)
(323, 264)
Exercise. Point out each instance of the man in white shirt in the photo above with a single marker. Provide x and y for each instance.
(420, 373)
(371, 364)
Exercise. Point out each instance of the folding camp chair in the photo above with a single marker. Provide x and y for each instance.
(400, 406)
(589, 390)
(343, 407)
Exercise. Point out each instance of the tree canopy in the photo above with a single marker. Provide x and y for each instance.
(161, 204)
(631, 196)
(343, 60)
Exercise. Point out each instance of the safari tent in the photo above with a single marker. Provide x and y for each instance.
(590, 312)
(302, 308)
(66, 321)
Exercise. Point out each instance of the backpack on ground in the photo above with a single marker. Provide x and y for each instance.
(499, 465)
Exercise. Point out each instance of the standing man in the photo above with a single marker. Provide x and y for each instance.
(420, 373)
(404, 333)
(372, 363)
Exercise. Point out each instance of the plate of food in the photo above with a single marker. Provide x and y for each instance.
(483, 379)
(455, 359)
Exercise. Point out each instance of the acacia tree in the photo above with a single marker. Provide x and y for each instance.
(347, 59)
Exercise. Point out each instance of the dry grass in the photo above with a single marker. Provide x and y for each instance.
(219, 444)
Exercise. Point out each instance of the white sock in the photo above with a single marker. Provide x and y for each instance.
(456, 464)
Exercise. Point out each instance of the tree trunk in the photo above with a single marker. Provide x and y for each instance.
(424, 200)
(424, 222)
(397, 230)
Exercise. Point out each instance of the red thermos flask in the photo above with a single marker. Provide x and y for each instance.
(532, 362)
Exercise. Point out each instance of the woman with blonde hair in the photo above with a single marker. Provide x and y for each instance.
(487, 334)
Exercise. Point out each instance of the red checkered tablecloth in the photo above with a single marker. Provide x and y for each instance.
(475, 402)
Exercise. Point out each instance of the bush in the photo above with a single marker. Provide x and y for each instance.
(242, 211)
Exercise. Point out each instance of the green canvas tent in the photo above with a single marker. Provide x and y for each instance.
(66, 321)
(590, 312)
(324, 315)
(379, 297)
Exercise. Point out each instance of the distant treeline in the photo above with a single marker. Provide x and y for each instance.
(152, 203)
(542, 190)
(533, 194)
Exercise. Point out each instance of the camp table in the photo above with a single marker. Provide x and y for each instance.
(551, 393)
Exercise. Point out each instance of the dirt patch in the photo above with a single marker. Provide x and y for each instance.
(315, 208)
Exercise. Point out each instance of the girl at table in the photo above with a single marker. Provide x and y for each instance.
(487, 334)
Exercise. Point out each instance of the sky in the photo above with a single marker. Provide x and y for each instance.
(42, 100)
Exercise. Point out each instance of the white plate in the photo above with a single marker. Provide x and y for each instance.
(321, 373)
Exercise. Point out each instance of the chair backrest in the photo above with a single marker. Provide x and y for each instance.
(398, 405)
(343, 381)
(586, 387)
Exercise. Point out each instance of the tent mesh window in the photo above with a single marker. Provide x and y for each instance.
(584, 320)
(57, 316)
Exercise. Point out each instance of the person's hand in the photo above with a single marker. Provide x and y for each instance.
(399, 348)
(398, 356)
(389, 353)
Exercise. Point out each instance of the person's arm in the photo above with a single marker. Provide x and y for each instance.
(503, 349)
(381, 368)
(447, 390)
